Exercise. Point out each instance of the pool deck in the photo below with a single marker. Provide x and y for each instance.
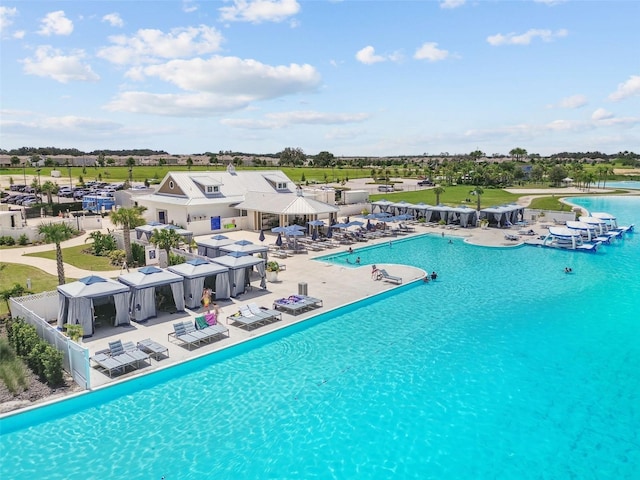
(335, 285)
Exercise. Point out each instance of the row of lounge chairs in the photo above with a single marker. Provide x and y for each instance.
(295, 304)
(252, 316)
(186, 334)
(119, 356)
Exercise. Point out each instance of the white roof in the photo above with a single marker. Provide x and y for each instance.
(564, 232)
(285, 204)
(232, 186)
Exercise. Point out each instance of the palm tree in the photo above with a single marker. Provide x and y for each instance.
(166, 239)
(128, 218)
(57, 233)
(49, 188)
(477, 191)
(438, 191)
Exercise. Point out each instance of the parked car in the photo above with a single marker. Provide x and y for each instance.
(425, 183)
(385, 188)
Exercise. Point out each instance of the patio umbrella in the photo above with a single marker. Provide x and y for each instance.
(261, 237)
(314, 235)
(329, 232)
(369, 225)
(355, 223)
(279, 240)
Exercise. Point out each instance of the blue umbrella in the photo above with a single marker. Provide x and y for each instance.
(329, 233)
(369, 225)
(314, 235)
(261, 237)
(279, 240)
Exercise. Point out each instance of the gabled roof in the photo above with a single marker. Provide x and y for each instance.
(285, 204)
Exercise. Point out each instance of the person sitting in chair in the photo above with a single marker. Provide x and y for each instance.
(375, 273)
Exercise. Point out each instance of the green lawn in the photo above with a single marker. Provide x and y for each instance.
(75, 257)
(452, 196)
(40, 281)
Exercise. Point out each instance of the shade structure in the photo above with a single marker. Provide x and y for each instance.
(198, 274)
(240, 265)
(316, 223)
(244, 246)
(77, 302)
(210, 247)
(144, 283)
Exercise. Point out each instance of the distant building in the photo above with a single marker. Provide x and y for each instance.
(208, 202)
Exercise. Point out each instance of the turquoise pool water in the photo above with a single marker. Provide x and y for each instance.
(632, 184)
(505, 367)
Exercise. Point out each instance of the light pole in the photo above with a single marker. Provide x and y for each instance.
(69, 171)
(39, 186)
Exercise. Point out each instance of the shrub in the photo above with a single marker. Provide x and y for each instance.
(10, 241)
(175, 259)
(117, 257)
(13, 374)
(52, 363)
(23, 240)
(137, 252)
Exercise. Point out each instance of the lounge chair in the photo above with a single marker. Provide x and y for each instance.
(180, 334)
(137, 353)
(117, 352)
(213, 331)
(268, 313)
(295, 304)
(245, 319)
(384, 275)
(108, 364)
(154, 349)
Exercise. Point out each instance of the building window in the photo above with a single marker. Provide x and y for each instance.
(281, 186)
(171, 184)
(212, 189)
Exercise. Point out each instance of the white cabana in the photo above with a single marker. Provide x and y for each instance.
(465, 216)
(245, 246)
(77, 302)
(563, 237)
(143, 285)
(210, 247)
(439, 213)
(147, 231)
(503, 216)
(240, 266)
(383, 205)
(586, 230)
(198, 273)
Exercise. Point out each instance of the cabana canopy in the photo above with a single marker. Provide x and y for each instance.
(244, 246)
(503, 215)
(465, 216)
(76, 301)
(198, 271)
(383, 205)
(143, 285)
(211, 247)
(240, 265)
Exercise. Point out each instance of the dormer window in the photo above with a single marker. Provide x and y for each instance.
(281, 185)
(213, 189)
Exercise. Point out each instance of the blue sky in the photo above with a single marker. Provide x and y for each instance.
(365, 78)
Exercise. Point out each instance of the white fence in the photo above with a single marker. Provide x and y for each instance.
(36, 309)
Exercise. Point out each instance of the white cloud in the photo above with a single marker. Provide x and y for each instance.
(601, 114)
(284, 119)
(6, 15)
(451, 3)
(627, 89)
(52, 63)
(19, 34)
(258, 11)
(150, 45)
(55, 23)
(526, 38)
(188, 6)
(113, 19)
(368, 56)
(215, 85)
(430, 51)
(574, 101)
(177, 105)
(236, 76)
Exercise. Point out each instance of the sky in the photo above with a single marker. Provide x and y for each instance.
(352, 77)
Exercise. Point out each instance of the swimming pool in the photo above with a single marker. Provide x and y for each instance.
(631, 184)
(504, 367)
